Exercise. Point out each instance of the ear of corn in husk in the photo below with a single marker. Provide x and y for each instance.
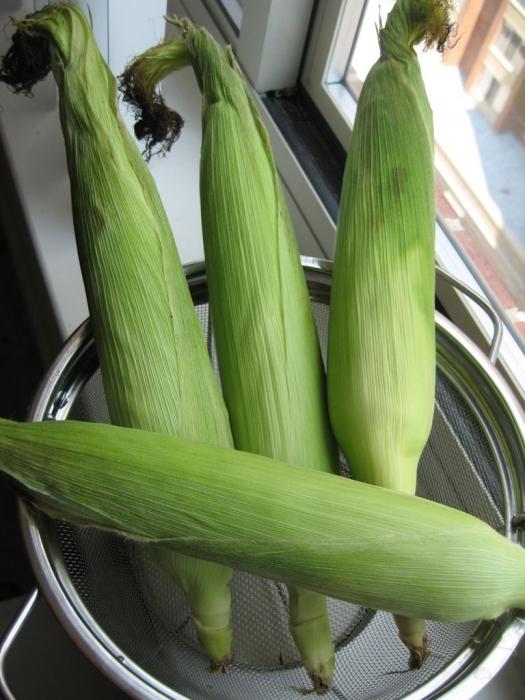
(269, 358)
(156, 371)
(381, 356)
(346, 539)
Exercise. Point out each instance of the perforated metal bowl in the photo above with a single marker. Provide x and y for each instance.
(132, 621)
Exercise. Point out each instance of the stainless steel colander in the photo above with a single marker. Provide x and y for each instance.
(133, 622)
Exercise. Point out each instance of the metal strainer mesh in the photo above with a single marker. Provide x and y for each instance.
(145, 615)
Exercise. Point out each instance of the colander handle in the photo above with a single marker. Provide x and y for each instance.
(9, 638)
(487, 308)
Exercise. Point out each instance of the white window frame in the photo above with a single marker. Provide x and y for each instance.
(269, 39)
(322, 72)
(325, 64)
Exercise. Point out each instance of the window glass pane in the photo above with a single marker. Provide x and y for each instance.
(509, 43)
(502, 41)
(232, 10)
(477, 92)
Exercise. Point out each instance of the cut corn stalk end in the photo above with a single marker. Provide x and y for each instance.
(216, 643)
(306, 639)
(413, 634)
(207, 588)
(310, 630)
(418, 655)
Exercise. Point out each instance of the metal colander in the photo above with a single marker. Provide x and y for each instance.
(134, 624)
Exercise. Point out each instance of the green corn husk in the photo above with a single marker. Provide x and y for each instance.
(381, 351)
(361, 543)
(269, 358)
(155, 366)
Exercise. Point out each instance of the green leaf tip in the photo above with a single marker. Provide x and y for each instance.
(182, 23)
